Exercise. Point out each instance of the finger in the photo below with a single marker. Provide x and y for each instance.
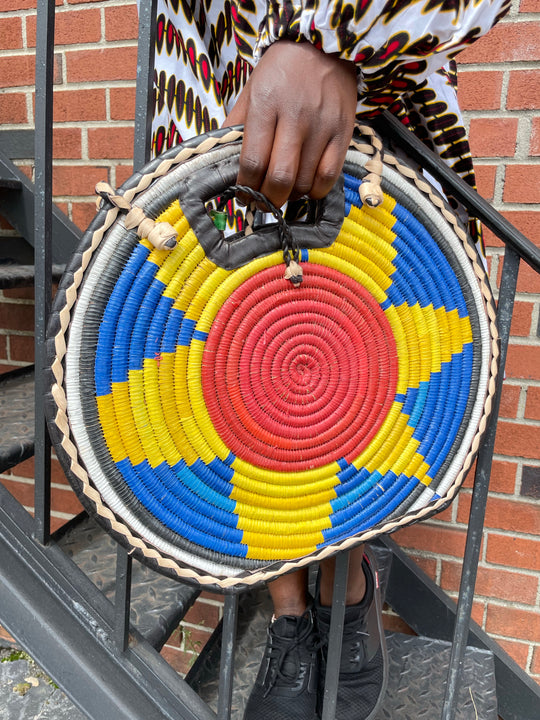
(259, 130)
(282, 171)
(313, 149)
(329, 168)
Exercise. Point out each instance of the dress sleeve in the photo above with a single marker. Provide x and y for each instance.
(395, 43)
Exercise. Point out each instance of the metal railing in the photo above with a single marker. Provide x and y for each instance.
(153, 685)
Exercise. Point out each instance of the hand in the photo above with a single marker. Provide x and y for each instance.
(298, 111)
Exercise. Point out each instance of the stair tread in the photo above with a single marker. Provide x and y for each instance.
(158, 603)
(16, 417)
(16, 275)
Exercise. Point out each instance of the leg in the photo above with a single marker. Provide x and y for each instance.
(362, 672)
(286, 686)
(356, 583)
(289, 594)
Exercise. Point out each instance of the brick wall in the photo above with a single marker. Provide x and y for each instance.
(500, 94)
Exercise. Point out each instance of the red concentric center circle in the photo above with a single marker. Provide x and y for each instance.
(295, 378)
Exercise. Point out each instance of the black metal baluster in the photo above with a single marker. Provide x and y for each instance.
(144, 97)
(226, 671)
(335, 637)
(480, 492)
(43, 257)
(122, 597)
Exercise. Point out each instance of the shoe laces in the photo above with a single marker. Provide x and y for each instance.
(352, 641)
(287, 650)
(355, 648)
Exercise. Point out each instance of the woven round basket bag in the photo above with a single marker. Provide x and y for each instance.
(234, 405)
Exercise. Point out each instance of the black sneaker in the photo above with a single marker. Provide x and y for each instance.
(364, 668)
(286, 685)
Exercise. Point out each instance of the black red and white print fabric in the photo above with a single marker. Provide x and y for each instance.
(403, 51)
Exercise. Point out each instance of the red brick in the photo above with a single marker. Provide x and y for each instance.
(8, 5)
(21, 348)
(82, 213)
(6, 367)
(440, 540)
(535, 664)
(26, 469)
(509, 401)
(493, 137)
(113, 63)
(478, 610)
(532, 407)
(57, 522)
(504, 514)
(6, 638)
(25, 293)
(62, 499)
(123, 173)
(11, 33)
(528, 279)
(178, 659)
(77, 179)
(518, 440)
(17, 70)
(506, 42)
(485, 180)
(517, 650)
(480, 90)
(67, 143)
(78, 2)
(493, 583)
(428, 565)
(121, 23)
(503, 476)
(23, 492)
(523, 90)
(28, 170)
(527, 6)
(122, 103)
(522, 184)
(513, 622)
(70, 28)
(523, 361)
(3, 347)
(13, 109)
(79, 105)
(16, 317)
(526, 222)
(522, 319)
(514, 552)
(203, 614)
(535, 137)
(110, 142)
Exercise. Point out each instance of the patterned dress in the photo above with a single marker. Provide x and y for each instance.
(403, 51)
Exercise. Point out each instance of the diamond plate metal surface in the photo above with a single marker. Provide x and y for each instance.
(157, 603)
(16, 418)
(417, 679)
